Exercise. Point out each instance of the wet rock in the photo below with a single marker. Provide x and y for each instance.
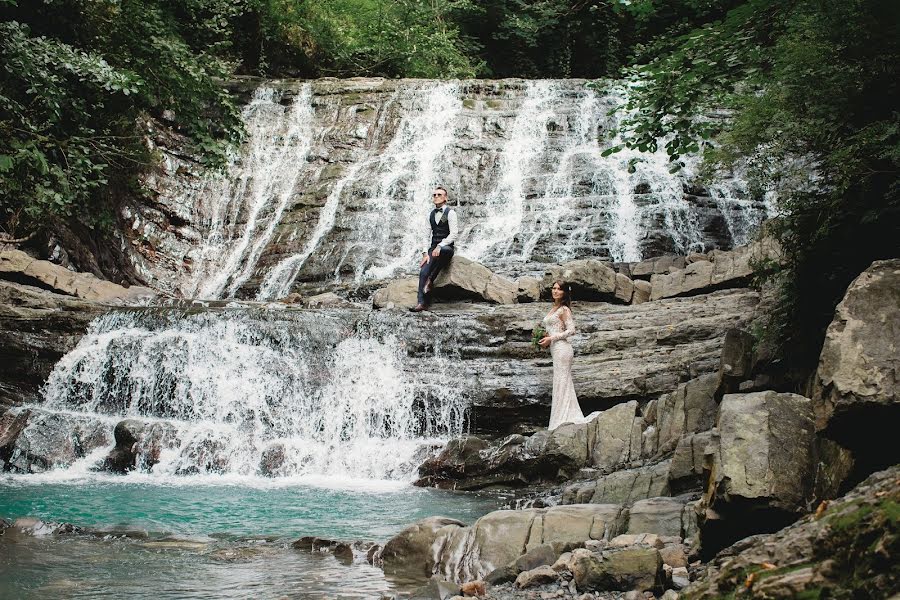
(847, 547)
(538, 576)
(37, 328)
(341, 550)
(327, 300)
(51, 440)
(139, 444)
(19, 266)
(856, 396)
(12, 423)
(762, 466)
(410, 551)
(436, 589)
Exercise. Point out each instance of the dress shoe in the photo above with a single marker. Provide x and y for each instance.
(417, 308)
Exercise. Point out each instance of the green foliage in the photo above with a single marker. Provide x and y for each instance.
(75, 81)
(803, 95)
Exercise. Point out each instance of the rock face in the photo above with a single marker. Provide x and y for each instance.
(856, 393)
(848, 549)
(723, 270)
(37, 328)
(762, 462)
(18, 266)
(590, 280)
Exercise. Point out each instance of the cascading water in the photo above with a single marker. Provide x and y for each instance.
(247, 204)
(336, 186)
(249, 393)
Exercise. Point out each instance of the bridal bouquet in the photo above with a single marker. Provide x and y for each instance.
(537, 334)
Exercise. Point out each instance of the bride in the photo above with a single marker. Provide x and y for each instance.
(560, 326)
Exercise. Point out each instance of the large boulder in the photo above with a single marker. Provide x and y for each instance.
(762, 466)
(17, 265)
(411, 552)
(645, 269)
(589, 280)
(856, 396)
(139, 444)
(465, 279)
(50, 440)
(621, 569)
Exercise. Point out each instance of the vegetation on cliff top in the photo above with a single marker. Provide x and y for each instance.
(808, 88)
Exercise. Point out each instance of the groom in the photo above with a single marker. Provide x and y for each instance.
(444, 227)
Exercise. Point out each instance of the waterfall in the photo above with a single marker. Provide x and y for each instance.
(250, 392)
(248, 202)
(334, 186)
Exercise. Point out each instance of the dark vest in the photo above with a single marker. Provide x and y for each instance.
(439, 229)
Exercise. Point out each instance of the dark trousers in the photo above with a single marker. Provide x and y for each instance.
(431, 269)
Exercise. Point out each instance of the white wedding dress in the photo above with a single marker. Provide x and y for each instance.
(565, 409)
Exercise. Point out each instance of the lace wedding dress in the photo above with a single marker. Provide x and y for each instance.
(560, 326)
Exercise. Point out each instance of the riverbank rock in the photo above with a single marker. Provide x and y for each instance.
(400, 293)
(856, 394)
(762, 466)
(18, 266)
(847, 548)
(620, 569)
(623, 486)
(410, 551)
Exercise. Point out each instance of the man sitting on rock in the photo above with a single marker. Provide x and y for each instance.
(444, 227)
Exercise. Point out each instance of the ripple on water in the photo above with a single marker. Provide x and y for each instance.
(205, 538)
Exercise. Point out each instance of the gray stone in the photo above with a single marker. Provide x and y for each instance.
(621, 487)
(686, 468)
(469, 280)
(625, 569)
(589, 280)
(410, 551)
(400, 293)
(691, 408)
(614, 433)
(528, 289)
(724, 270)
(538, 576)
(661, 516)
(19, 265)
(642, 291)
(856, 383)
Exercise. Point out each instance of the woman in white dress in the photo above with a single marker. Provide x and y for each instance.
(560, 326)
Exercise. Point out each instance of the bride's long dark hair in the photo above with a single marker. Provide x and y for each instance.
(567, 293)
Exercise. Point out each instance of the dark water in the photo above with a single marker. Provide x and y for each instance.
(206, 537)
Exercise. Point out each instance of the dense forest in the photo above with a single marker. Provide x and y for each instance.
(804, 95)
